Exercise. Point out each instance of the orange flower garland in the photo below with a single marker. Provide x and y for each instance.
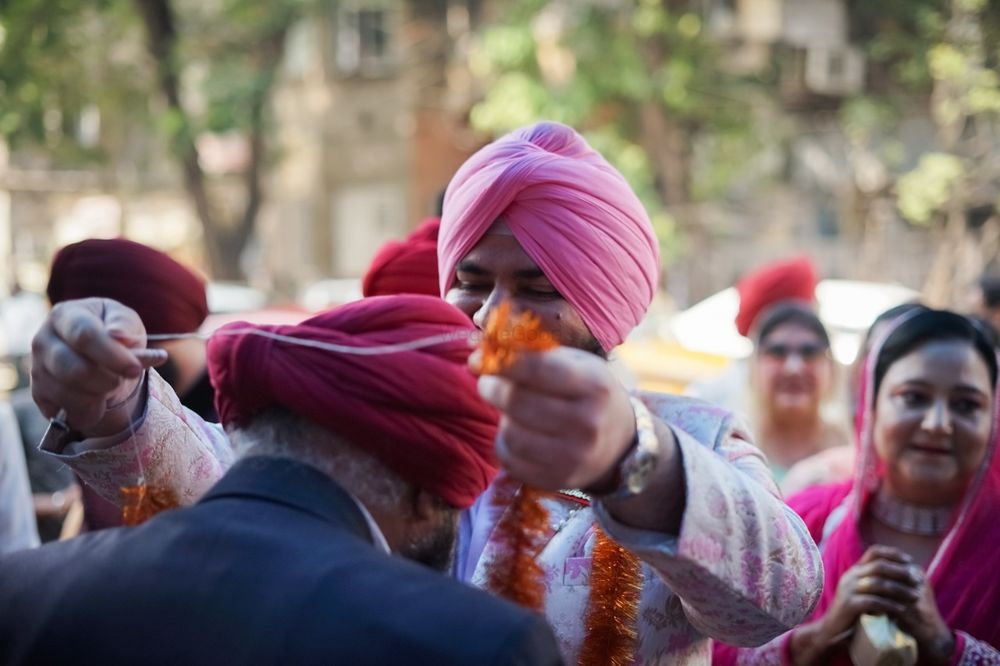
(140, 503)
(515, 574)
(505, 336)
(523, 531)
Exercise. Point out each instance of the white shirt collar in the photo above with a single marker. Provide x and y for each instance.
(373, 527)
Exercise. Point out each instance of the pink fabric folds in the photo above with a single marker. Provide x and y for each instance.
(417, 410)
(572, 212)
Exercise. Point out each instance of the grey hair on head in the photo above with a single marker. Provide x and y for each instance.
(281, 433)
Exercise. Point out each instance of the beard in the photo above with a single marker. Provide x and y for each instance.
(434, 549)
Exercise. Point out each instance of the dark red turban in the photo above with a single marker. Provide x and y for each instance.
(408, 266)
(792, 279)
(169, 297)
(417, 411)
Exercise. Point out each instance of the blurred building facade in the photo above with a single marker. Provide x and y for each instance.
(372, 119)
(829, 194)
(372, 124)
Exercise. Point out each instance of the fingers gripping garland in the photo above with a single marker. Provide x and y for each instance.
(523, 530)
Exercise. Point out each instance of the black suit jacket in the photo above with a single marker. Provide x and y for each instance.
(274, 566)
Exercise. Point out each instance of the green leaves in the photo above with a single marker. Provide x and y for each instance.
(924, 192)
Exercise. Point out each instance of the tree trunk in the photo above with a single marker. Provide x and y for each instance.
(158, 17)
(667, 143)
(225, 240)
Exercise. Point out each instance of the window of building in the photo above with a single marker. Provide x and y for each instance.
(364, 38)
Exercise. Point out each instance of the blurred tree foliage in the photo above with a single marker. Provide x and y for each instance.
(63, 60)
(944, 54)
(643, 81)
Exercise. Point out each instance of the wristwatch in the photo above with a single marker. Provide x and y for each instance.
(635, 471)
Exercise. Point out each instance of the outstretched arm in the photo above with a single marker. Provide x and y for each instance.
(742, 563)
(711, 521)
(88, 361)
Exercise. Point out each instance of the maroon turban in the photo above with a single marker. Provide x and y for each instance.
(792, 279)
(169, 297)
(408, 266)
(417, 411)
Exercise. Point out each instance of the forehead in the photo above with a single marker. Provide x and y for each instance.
(499, 254)
(791, 332)
(943, 363)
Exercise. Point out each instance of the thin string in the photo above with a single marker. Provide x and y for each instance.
(131, 429)
(471, 337)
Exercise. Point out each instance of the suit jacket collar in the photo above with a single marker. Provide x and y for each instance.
(293, 484)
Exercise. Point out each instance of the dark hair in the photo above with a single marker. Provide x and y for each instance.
(791, 312)
(990, 284)
(886, 317)
(931, 326)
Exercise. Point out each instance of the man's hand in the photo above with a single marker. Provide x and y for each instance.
(88, 355)
(566, 420)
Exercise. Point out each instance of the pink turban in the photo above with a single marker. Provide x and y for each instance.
(573, 214)
(418, 411)
(788, 280)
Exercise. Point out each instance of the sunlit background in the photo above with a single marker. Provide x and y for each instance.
(276, 145)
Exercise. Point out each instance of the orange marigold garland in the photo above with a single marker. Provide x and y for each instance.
(506, 335)
(141, 502)
(515, 573)
(612, 610)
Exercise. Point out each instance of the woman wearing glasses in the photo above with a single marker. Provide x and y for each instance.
(791, 375)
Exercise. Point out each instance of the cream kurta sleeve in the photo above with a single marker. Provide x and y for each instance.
(172, 446)
(743, 565)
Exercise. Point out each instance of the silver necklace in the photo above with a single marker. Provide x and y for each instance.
(910, 518)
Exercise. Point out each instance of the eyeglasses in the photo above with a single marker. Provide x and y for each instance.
(807, 352)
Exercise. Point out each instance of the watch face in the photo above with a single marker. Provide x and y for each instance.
(642, 469)
(638, 466)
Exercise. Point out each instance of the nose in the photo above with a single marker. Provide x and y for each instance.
(482, 315)
(794, 363)
(938, 418)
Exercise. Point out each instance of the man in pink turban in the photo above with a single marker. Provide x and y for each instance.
(540, 220)
(286, 560)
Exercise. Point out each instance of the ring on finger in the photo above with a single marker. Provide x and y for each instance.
(866, 584)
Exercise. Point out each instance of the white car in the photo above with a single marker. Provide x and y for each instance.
(847, 308)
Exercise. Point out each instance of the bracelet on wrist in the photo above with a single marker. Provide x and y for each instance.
(135, 391)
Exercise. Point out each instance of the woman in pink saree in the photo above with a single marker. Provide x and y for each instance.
(913, 534)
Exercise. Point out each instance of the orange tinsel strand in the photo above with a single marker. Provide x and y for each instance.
(523, 531)
(515, 574)
(612, 610)
(140, 503)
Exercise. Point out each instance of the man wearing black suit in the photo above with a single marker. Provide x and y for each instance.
(286, 560)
